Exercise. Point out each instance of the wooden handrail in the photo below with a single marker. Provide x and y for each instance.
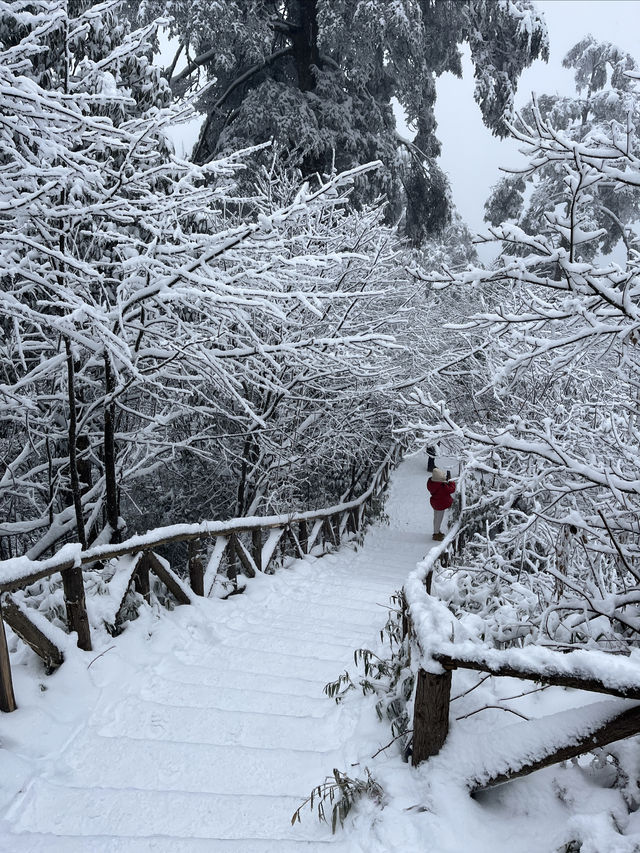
(575, 680)
(21, 571)
(436, 637)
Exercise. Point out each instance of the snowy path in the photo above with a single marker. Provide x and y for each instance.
(205, 729)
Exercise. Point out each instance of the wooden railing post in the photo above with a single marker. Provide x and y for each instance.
(428, 581)
(141, 578)
(7, 697)
(335, 524)
(74, 599)
(303, 536)
(196, 569)
(232, 561)
(256, 547)
(327, 531)
(431, 714)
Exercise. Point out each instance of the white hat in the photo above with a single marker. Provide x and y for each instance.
(438, 475)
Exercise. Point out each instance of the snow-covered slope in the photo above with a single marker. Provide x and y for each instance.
(205, 728)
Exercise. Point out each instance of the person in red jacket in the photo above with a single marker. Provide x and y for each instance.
(441, 488)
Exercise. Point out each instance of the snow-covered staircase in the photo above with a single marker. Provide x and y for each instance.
(209, 725)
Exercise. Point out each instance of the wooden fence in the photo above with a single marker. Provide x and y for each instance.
(246, 545)
(432, 629)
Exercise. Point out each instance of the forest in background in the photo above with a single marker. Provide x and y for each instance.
(221, 336)
(245, 332)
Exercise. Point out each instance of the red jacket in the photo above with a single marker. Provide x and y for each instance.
(441, 493)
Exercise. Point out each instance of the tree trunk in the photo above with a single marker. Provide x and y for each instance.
(110, 479)
(305, 44)
(72, 581)
(72, 448)
(7, 697)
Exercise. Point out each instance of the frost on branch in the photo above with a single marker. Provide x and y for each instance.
(169, 349)
(605, 101)
(551, 547)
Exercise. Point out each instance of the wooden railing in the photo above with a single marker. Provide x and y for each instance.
(437, 640)
(246, 545)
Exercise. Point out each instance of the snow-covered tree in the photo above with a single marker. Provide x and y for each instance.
(604, 95)
(321, 79)
(150, 315)
(299, 419)
(550, 548)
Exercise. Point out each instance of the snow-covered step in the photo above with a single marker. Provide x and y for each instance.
(137, 718)
(310, 626)
(349, 609)
(215, 769)
(309, 649)
(47, 843)
(352, 585)
(175, 814)
(226, 698)
(261, 662)
(223, 676)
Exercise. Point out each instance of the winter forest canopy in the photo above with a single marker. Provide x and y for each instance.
(247, 330)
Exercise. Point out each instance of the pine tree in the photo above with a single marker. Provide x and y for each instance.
(320, 79)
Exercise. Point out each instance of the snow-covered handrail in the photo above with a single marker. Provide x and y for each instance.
(328, 525)
(21, 571)
(441, 645)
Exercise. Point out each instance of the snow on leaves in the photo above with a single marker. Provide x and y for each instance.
(552, 449)
(191, 320)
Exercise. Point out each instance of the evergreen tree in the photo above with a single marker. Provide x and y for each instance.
(321, 77)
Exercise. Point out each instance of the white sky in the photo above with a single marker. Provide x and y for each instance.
(471, 156)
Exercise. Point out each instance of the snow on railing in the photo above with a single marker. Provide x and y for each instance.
(440, 645)
(239, 541)
(21, 571)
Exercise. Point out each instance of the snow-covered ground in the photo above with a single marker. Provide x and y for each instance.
(206, 727)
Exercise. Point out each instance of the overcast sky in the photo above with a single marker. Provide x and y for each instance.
(470, 154)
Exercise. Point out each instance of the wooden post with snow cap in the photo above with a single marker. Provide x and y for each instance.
(431, 714)
(303, 535)
(335, 527)
(256, 547)
(232, 561)
(327, 531)
(141, 578)
(7, 697)
(196, 569)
